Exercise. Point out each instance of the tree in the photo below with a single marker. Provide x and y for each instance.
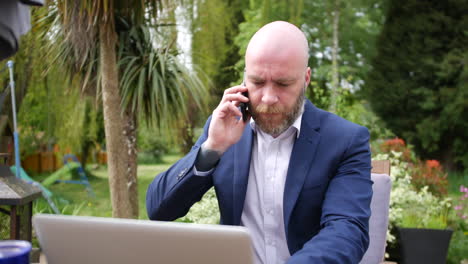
(24, 61)
(418, 85)
(335, 50)
(87, 36)
(214, 27)
(259, 13)
(341, 37)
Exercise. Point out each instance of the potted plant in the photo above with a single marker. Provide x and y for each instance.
(422, 229)
(416, 206)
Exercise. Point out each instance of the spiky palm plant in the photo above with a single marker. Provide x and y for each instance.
(130, 74)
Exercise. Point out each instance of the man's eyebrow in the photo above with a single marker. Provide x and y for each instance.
(255, 77)
(279, 80)
(285, 80)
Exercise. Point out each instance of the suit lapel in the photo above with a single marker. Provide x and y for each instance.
(242, 154)
(302, 155)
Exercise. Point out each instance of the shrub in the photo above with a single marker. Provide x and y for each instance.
(418, 79)
(461, 207)
(408, 203)
(152, 149)
(397, 145)
(206, 211)
(458, 250)
(430, 174)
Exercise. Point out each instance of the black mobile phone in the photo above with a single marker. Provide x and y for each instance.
(244, 106)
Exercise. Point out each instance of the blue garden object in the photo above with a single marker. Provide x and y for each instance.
(46, 193)
(18, 170)
(83, 179)
(14, 252)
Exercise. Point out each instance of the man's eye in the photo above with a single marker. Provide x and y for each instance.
(283, 84)
(258, 83)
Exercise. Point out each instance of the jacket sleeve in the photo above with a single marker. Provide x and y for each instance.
(344, 224)
(173, 192)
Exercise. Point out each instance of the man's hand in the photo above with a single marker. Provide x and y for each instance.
(226, 124)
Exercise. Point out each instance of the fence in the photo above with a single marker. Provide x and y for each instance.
(49, 161)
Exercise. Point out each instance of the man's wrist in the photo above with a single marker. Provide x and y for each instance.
(207, 158)
(210, 146)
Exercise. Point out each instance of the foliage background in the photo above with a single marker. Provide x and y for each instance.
(418, 84)
(402, 72)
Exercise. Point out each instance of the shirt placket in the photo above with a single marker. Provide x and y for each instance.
(270, 223)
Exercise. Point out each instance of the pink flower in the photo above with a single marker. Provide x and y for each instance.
(463, 189)
(458, 207)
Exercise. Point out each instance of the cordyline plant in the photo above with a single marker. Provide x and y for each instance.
(90, 46)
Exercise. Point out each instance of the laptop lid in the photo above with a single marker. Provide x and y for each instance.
(79, 240)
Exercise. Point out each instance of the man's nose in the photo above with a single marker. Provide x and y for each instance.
(269, 96)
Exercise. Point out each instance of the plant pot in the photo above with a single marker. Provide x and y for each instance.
(428, 246)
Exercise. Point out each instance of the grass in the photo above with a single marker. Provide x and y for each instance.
(74, 199)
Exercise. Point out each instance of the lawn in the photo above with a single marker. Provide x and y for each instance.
(74, 199)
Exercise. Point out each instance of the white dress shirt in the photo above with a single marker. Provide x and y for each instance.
(263, 206)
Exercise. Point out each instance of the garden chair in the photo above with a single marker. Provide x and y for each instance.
(378, 222)
(83, 179)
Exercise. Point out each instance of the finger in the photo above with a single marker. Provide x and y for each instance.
(228, 109)
(235, 89)
(237, 98)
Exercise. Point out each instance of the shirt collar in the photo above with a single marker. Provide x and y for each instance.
(296, 124)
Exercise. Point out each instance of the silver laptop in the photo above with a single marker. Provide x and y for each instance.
(89, 240)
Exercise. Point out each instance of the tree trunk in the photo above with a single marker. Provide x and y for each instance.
(186, 129)
(335, 74)
(121, 166)
(130, 132)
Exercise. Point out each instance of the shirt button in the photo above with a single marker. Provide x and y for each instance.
(271, 242)
(270, 212)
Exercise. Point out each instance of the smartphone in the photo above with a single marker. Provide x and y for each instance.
(244, 106)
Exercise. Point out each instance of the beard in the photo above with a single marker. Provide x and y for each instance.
(275, 119)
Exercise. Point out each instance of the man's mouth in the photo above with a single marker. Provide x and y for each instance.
(270, 115)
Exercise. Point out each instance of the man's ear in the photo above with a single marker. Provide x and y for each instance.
(307, 77)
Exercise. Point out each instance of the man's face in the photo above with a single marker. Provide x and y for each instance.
(276, 92)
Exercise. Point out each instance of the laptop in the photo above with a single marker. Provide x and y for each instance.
(87, 240)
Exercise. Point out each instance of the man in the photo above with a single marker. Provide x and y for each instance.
(296, 176)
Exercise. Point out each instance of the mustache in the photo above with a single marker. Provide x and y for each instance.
(268, 109)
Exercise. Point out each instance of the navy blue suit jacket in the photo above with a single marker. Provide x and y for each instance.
(326, 197)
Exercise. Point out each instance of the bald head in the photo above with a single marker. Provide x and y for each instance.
(280, 40)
